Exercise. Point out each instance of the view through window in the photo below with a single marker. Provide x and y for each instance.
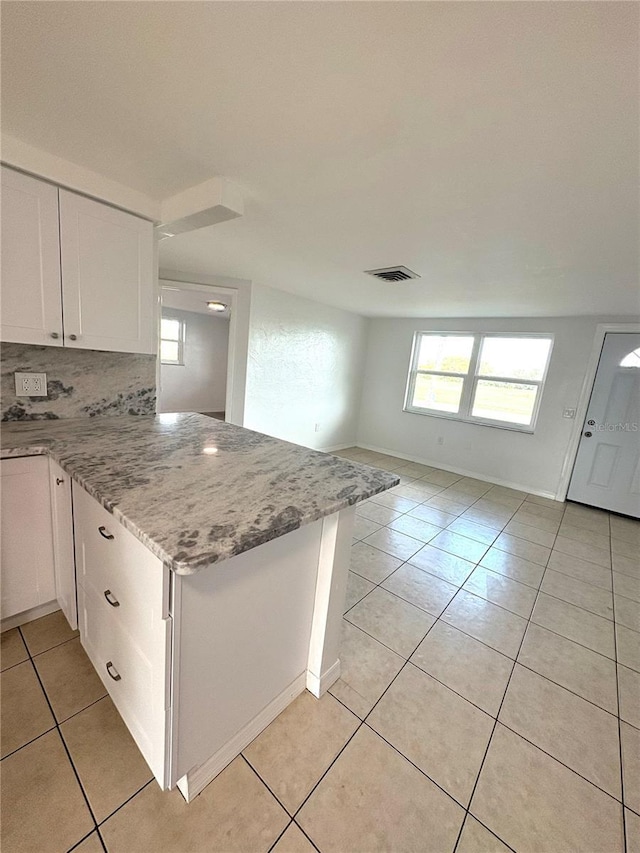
(171, 341)
(492, 379)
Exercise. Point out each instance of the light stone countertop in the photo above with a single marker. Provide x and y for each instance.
(193, 489)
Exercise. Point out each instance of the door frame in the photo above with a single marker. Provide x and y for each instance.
(602, 329)
(238, 297)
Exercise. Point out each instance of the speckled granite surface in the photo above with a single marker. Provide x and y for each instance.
(195, 490)
(81, 383)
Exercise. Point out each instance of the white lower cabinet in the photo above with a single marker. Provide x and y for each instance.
(63, 556)
(27, 571)
(125, 627)
(197, 665)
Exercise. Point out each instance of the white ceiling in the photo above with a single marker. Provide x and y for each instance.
(491, 147)
(184, 299)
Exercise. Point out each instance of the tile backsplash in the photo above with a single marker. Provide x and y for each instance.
(80, 383)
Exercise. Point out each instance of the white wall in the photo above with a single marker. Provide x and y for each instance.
(199, 385)
(305, 368)
(529, 462)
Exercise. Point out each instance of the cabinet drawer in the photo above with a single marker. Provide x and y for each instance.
(136, 679)
(118, 570)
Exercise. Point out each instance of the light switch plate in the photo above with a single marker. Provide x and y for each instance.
(31, 384)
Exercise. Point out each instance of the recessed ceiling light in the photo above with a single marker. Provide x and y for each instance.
(216, 306)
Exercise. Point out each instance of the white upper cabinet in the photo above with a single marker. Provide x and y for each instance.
(107, 277)
(67, 256)
(31, 296)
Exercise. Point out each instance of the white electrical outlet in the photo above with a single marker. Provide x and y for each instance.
(317, 428)
(31, 384)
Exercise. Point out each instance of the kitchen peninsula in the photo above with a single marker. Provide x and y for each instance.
(210, 570)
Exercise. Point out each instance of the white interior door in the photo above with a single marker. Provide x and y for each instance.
(607, 469)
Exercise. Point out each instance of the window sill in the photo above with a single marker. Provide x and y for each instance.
(528, 430)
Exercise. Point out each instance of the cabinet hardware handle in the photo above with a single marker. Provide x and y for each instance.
(55, 335)
(59, 481)
(113, 601)
(103, 532)
(73, 337)
(110, 667)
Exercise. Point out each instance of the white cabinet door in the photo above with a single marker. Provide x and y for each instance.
(31, 294)
(125, 627)
(65, 568)
(107, 277)
(26, 554)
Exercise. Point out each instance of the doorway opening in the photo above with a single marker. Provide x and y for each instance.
(195, 356)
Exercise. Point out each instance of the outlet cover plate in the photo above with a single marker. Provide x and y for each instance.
(31, 384)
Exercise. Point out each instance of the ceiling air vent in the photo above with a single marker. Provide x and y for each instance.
(393, 273)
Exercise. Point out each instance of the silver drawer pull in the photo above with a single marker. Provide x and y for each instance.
(104, 532)
(113, 601)
(59, 481)
(111, 670)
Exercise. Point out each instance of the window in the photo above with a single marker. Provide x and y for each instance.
(171, 341)
(490, 379)
(632, 359)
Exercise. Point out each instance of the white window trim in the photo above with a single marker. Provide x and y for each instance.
(180, 341)
(471, 378)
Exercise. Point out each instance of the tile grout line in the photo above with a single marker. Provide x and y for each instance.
(123, 804)
(66, 719)
(615, 649)
(495, 725)
(281, 834)
(477, 595)
(478, 565)
(266, 785)
(308, 837)
(513, 669)
(466, 699)
(529, 621)
(60, 735)
(361, 723)
(85, 838)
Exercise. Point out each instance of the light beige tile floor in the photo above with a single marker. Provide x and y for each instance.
(489, 700)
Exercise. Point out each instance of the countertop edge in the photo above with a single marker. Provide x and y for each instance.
(193, 566)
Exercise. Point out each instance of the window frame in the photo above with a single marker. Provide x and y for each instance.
(180, 340)
(472, 377)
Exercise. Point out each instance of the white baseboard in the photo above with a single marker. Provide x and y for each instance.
(319, 686)
(462, 471)
(29, 615)
(335, 447)
(196, 780)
